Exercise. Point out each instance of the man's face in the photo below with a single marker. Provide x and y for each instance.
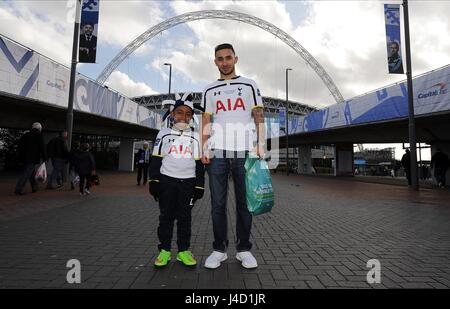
(145, 146)
(394, 49)
(64, 135)
(182, 114)
(88, 29)
(225, 61)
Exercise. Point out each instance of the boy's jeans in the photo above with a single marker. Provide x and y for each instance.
(218, 171)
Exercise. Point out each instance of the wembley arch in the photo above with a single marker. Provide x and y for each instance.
(229, 15)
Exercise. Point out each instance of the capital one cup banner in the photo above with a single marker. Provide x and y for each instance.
(431, 95)
(88, 31)
(393, 44)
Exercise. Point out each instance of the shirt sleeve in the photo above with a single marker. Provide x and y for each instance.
(196, 147)
(258, 102)
(206, 103)
(157, 146)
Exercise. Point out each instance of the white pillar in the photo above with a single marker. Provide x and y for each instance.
(343, 158)
(304, 160)
(126, 155)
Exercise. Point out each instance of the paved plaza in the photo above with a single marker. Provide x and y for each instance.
(320, 234)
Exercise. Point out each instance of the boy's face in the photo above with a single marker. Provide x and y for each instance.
(182, 114)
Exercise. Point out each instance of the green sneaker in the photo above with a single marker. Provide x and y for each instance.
(186, 258)
(163, 258)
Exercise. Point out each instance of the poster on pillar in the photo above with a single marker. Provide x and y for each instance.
(392, 20)
(282, 118)
(88, 31)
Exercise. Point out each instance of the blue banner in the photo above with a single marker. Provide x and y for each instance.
(392, 20)
(88, 31)
(282, 118)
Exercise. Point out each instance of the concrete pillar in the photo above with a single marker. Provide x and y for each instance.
(445, 148)
(343, 158)
(126, 155)
(304, 160)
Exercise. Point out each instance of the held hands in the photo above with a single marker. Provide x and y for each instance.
(205, 157)
(153, 189)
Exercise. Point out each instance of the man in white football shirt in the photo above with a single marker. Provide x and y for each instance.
(227, 136)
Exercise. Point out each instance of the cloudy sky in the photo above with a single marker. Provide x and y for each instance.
(346, 37)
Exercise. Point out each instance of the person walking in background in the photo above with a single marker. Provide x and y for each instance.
(74, 177)
(143, 162)
(31, 152)
(406, 163)
(440, 164)
(84, 164)
(58, 152)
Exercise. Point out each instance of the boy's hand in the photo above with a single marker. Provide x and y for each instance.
(153, 188)
(198, 193)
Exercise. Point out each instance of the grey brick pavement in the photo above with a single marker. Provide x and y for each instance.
(320, 234)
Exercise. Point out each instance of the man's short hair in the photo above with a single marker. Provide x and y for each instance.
(393, 42)
(89, 23)
(224, 46)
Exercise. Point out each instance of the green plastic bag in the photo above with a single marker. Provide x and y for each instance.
(258, 184)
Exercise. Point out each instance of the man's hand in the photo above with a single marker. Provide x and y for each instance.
(259, 151)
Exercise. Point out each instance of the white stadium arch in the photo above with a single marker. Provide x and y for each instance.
(229, 15)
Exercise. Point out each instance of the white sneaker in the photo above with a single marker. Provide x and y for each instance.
(86, 191)
(247, 259)
(214, 260)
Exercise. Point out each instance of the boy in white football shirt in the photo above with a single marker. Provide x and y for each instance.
(177, 181)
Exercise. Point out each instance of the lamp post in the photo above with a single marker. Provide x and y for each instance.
(412, 124)
(170, 75)
(287, 122)
(73, 70)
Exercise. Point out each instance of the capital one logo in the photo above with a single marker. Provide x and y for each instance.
(437, 89)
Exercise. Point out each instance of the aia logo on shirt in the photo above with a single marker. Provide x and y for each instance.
(230, 106)
(180, 150)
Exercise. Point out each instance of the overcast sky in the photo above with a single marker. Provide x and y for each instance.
(346, 37)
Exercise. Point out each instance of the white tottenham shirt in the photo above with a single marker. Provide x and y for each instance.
(230, 103)
(179, 150)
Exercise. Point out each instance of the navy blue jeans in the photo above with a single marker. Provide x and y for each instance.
(57, 172)
(218, 171)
